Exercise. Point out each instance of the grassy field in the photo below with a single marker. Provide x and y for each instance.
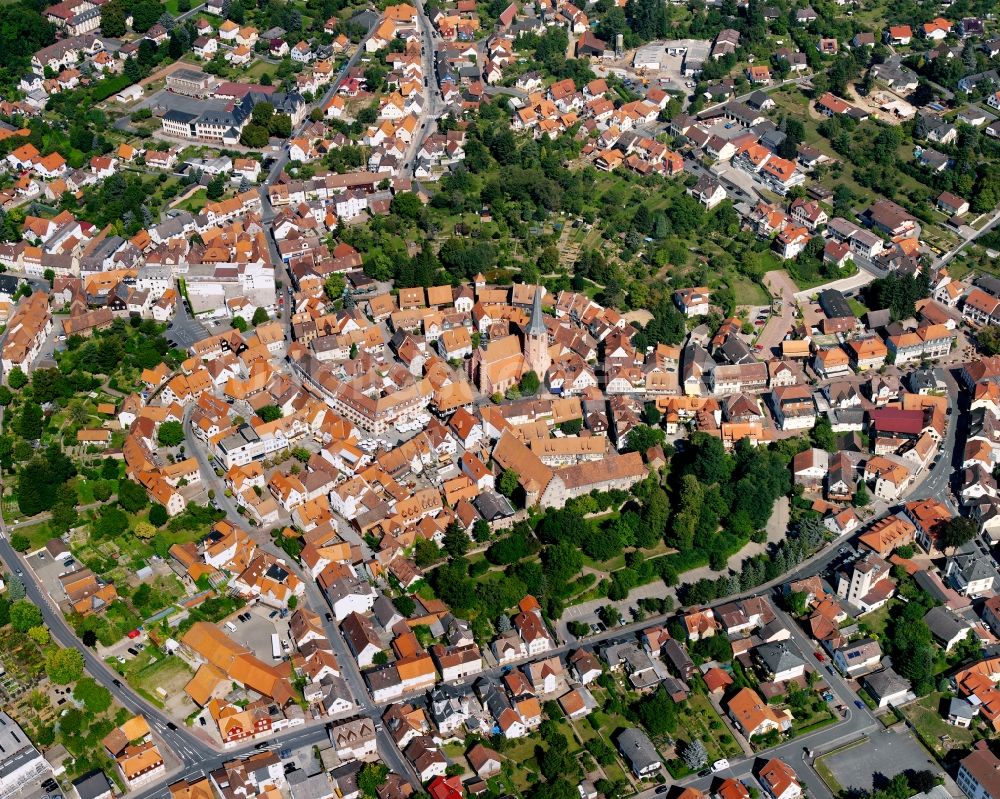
(37, 534)
(254, 72)
(148, 671)
(195, 202)
(747, 292)
(701, 720)
(931, 727)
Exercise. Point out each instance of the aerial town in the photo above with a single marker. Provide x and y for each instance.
(502, 400)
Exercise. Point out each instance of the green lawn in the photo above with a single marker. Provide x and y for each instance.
(747, 292)
(254, 72)
(859, 308)
(37, 534)
(700, 719)
(878, 619)
(925, 716)
(195, 202)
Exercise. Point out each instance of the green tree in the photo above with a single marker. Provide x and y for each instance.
(113, 19)
(259, 317)
(456, 542)
(16, 379)
(64, 666)
(269, 413)
(642, 437)
(426, 552)
(371, 777)
(957, 531)
(64, 515)
(158, 514)
(144, 530)
(508, 482)
(40, 635)
(24, 615)
(405, 605)
(529, 383)
(132, 496)
(988, 338)
(29, 421)
(823, 436)
(481, 531)
(406, 204)
(95, 697)
(657, 712)
(334, 286)
(110, 523)
(217, 187)
(254, 136)
(170, 434)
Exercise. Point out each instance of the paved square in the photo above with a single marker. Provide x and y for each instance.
(879, 759)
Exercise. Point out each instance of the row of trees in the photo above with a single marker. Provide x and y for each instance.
(803, 542)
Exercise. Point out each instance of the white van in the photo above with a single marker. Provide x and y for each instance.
(719, 765)
(230, 626)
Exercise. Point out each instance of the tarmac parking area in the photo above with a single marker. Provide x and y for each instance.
(876, 761)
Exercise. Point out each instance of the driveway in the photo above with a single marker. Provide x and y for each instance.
(783, 288)
(847, 284)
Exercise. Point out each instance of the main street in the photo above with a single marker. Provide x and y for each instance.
(434, 104)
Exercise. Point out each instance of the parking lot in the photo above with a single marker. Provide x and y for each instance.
(184, 330)
(873, 763)
(255, 633)
(49, 571)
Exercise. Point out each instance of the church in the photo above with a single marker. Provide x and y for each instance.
(504, 361)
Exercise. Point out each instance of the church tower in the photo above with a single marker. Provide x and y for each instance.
(536, 340)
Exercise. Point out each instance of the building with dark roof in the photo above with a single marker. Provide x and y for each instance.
(639, 751)
(834, 304)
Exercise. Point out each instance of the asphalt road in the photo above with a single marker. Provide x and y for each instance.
(856, 722)
(282, 160)
(434, 104)
(946, 257)
(937, 483)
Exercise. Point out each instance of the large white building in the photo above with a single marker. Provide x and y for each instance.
(22, 762)
(979, 774)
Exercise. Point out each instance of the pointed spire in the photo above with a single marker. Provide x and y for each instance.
(537, 325)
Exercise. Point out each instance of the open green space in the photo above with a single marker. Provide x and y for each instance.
(933, 730)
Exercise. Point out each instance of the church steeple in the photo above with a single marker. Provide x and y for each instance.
(536, 344)
(537, 325)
